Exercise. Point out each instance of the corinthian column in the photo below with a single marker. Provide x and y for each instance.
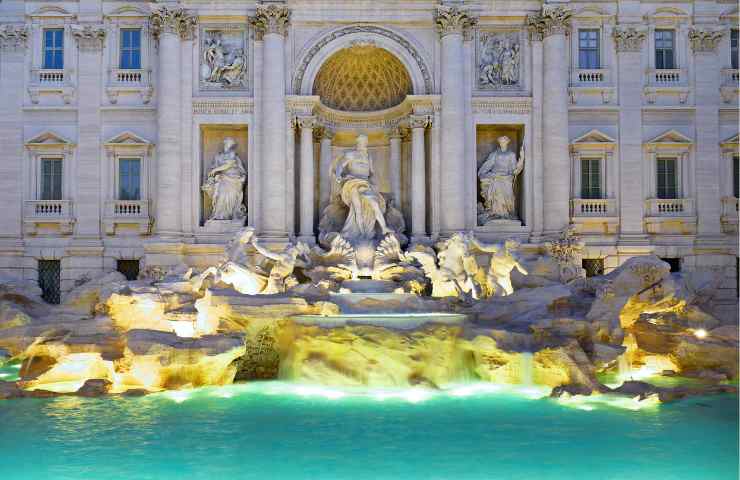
(451, 21)
(307, 182)
(551, 25)
(169, 27)
(271, 23)
(418, 124)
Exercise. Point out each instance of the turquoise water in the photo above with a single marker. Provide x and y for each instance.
(282, 431)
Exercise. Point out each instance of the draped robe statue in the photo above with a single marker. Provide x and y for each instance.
(225, 184)
(497, 176)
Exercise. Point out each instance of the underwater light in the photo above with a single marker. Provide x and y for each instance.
(178, 396)
(700, 333)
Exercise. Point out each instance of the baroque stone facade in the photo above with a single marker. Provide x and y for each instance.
(112, 119)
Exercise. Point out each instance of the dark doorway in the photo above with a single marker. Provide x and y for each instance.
(49, 279)
(593, 266)
(129, 268)
(674, 262)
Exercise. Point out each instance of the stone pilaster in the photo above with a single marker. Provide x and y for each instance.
(307, 178)
(88, 195)
(271, 23)
(170, 27)
(13, 41)
(418, 124)
(708, 193)
(395, 137)
(628, 42)
(451, 22)
(325, 166)
(536, 160)
(551, 25)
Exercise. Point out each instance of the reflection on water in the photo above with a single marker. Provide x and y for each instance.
(285, 431)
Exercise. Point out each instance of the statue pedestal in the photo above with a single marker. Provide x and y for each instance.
(502, 229)
(223, 226)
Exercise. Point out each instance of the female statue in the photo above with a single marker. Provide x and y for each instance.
(497, 176)
(225, 184)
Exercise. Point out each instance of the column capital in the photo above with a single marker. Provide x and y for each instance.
(13, 37)
(628, 39)
(453, 20)
(419, 121)
(89, 37)
(271, 19)
(704, 40)
(177, 21)
(552, 20)
(307, 122)
(396, 132)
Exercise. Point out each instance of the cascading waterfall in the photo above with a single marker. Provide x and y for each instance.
(525, 369)
(623, 368)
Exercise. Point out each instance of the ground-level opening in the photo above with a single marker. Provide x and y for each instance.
(49, 279)
(129, 269)
(674, 262)
(593, 266)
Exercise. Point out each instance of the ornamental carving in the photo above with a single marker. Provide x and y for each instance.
(272, 19)
(13, 37)
(177, 21)
(89, 37)
(550, 21)
(309, 122)
(704, 40)
(223, 59)
(628, 39)
(419, 121)
(453, 20)
(499, 60)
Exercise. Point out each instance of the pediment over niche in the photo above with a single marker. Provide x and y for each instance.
(671, 137)
(48, 138)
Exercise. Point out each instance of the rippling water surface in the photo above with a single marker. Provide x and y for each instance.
(282, 431)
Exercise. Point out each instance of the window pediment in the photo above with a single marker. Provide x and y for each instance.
(51, 11)
(593, 139)
(128, 11)
(128, 141)
(670, 140)
(732, 142)
(49, 140)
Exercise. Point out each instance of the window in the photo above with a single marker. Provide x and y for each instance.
(588, 49)
(593, 266)
(130, 49)
(733, 48)
(591, 178)
(736, 176)
(664, 49)
(667, 184)
(51, 179)
(49, 278)
(129, 179)
(129, 268)
(54, 48)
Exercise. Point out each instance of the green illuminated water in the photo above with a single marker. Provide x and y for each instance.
(282, 431)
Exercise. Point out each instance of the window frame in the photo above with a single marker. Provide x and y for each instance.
(54, 48)
(123, 49)
(592, 160)
(675, 159)
(734, 54)
(596, 49)
(117, 187)
(41, 177)
(656, 49)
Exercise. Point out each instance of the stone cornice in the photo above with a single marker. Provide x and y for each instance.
(550, 21)
(177, 21)
(89, 37)
(271, 19)
(13, 37)
(704, 40)
(628, 39)
(453, 20)
(223, 107)
(502, 105)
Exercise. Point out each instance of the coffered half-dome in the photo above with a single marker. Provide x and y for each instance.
(362, 78)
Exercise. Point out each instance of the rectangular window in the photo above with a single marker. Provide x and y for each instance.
(667, 182)
(590, 178)
(736, 176)
(129, 179)
(51, 179)
(664, 49)
(733, 48)
(130, 49)
(54, 48)
(588, 49)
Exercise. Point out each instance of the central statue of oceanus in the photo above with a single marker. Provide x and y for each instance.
(357, 210)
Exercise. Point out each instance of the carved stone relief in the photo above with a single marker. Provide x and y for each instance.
(223, 58)
(498, 58)
(13, 37)
(89, 37)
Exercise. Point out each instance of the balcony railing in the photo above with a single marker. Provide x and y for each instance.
(593, 207)
(127, 209)
(729, 207)
(120, 77)
(666, 77)
(730, 77)
(51, 209)
(590, 77)
(44, 76)
(670, 207)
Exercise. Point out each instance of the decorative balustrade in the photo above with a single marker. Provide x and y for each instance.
(593, 207)
(127, 209)
(730, 77)
(129, 77)
(48, 76)
(667, 77)
(729, 207)
(589, 77)
(48, 209)
(670, 207)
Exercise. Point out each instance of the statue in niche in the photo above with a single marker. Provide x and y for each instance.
(497, 178)
(499, 61)
(223, 65)
(357, 210)
(225, 184)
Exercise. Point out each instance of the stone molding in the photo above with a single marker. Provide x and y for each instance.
(419, 121)
(177, 21)
(628, 39)
(309, 122)
(13, 37)
(453, 20)
(89, 37)
(703, 40)
(550, 21)
(499, 106)
(271, 19)
(222, 107)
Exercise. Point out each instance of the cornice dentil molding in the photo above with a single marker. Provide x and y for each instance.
(552, 20)
(453, 20)
(13, 37)
(628, 39)
(89, 37)
(178, 21)
(271, 19)
(704, 40)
